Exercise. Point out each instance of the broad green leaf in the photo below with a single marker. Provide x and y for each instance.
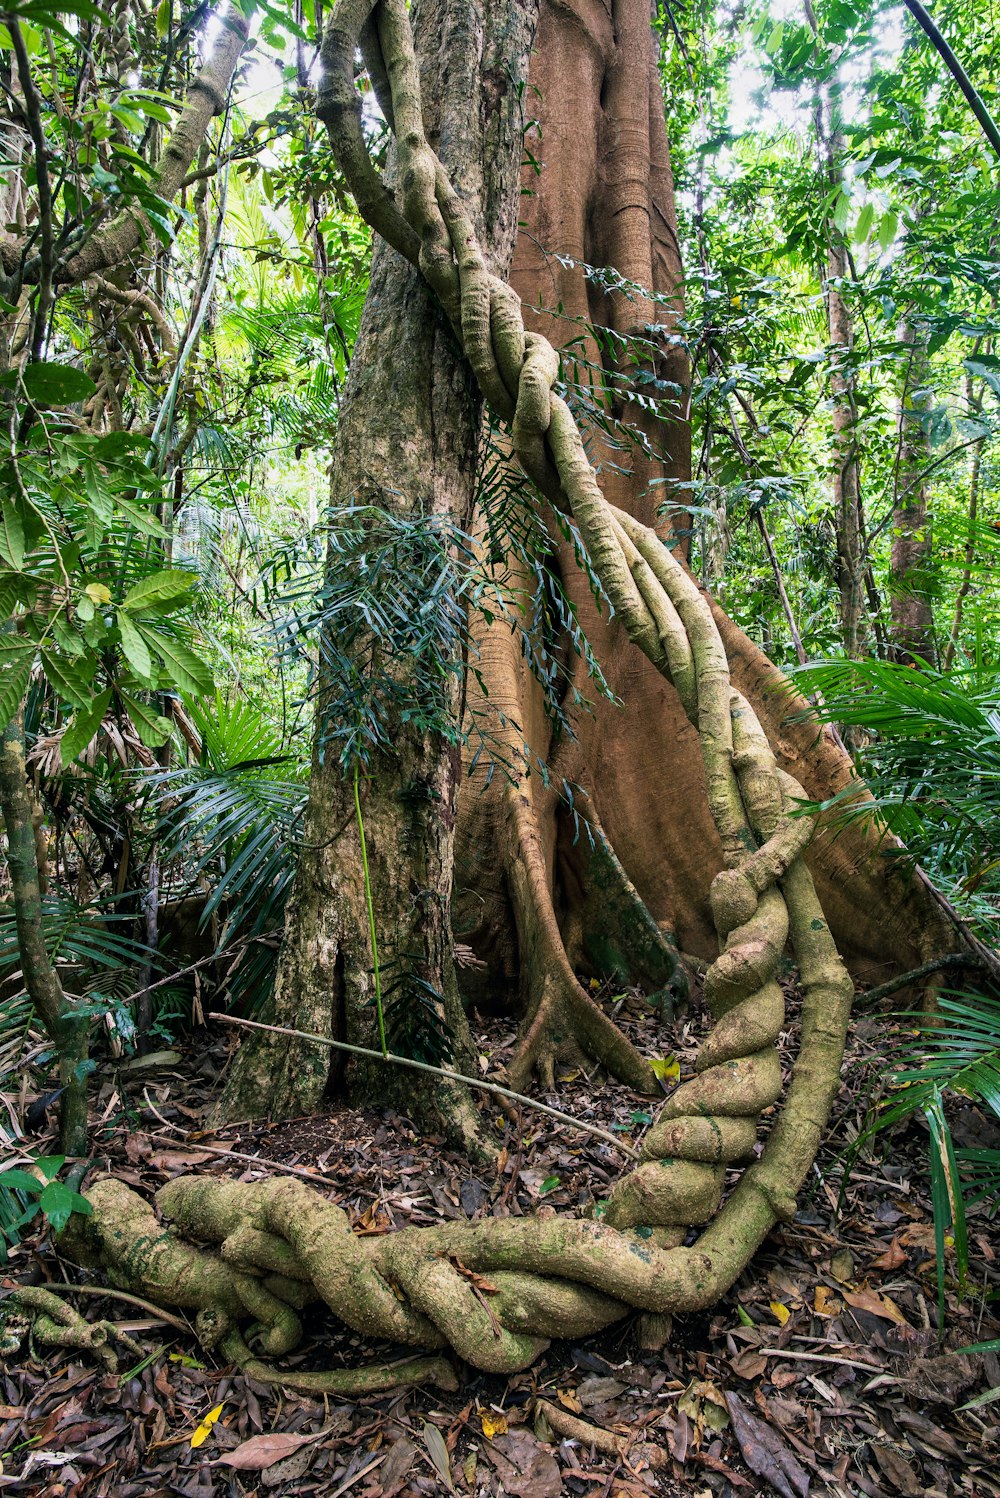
(153, 729)
(887, 229)
(57, 384)
(81, 731)
(134, 647)
(186, 671)
(71, 679)
(11, 534)
(863, 227)
(842, 211)
(149, 594)
(20, 1180)
(15, 673)
(59, 1202)
(163, 13)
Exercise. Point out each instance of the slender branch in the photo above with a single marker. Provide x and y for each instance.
(955, 68)
(104, 1293)
(436, 1071)
(936, 965)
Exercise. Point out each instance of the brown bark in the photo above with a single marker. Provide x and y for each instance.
(604, 197)
(407, 441)
(912, 618)
(67, 1032)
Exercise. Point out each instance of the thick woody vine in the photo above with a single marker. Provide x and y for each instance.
(495, 1292)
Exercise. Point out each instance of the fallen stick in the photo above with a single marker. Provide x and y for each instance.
(606, 1441)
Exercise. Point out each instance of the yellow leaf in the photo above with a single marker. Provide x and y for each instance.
(780, 1312)
(98, 593)
(666, 1068)
(204, 1430)
(569, 1401)
(493, 1424)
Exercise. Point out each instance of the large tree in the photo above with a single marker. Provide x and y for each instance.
(277, 1245)
(536, 898)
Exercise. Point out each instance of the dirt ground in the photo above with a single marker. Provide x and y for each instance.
(822, 1372)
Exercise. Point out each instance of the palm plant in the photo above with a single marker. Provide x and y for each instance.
(933, 764)
(233, 822)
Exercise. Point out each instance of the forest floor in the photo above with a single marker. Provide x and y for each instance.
(822, 1371)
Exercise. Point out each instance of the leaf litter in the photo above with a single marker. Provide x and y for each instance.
(822, 1373)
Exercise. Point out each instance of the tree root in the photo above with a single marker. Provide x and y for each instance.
(49, 1319)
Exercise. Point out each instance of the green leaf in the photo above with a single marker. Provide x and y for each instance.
(15, 673)
(163, 13)
(134, 647)
(11, 534)
(50, 1165)
(149, 594)
(842, 211)
(81, 731)
(863, 227)
(51, 384)
(887, 229)
(59, 1202)
(20, 1180)
(71, 679)
(186, 671)
(151, 727)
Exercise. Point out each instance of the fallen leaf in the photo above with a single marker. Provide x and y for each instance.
(765, 1453)
(898, 1471)
(842, 1266)
(263, 1451)
(396, 1471)
(894, 1257)
(825, 1303)
(493, 1424)
(524, 1466)
(569, 1401)
(749, 1365)
(665, 1068)
(438, 1452)
(204, 1430)
(780, 1312)
(877, 1305)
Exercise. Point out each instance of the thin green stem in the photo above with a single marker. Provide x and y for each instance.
(371, 918)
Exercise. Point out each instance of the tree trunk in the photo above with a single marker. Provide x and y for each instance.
(912, 627)
(406, 451)
(846, 474)
(603, 864)
(531, 898)
(67, 1032)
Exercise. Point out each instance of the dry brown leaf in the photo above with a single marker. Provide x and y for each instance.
(263, 1451)
(894, 1257)
(877, 1305)
(825, 1303)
